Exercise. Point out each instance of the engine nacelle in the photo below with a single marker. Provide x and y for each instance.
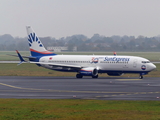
(114, 74)
(89, 71)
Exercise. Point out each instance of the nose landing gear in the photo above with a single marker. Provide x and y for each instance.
(140, 76)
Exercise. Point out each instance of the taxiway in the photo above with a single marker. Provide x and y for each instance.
(109, 88)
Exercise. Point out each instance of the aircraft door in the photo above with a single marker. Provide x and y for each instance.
(135, 63)
(44, 60)
(125, 65)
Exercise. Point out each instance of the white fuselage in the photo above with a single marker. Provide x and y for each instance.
(104, 64)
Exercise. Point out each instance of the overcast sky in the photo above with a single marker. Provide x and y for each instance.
(61, 18)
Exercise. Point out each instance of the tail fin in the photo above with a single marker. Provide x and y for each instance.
(36, 46)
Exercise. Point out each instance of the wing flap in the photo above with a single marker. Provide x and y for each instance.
(59, 65)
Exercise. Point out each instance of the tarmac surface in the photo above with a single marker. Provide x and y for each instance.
(109, 88)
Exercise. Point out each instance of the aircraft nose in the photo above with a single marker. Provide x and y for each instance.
(152, 67)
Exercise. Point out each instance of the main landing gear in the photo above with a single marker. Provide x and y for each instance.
(81, 76)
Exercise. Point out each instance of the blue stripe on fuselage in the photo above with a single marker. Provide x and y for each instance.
(41, 54)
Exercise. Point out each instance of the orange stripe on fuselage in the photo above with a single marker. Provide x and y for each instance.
(43, 52)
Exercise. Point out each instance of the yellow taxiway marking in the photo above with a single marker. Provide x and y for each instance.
(18, 87)
(50, 90)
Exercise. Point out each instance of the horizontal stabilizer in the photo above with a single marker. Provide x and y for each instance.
(29, 57)
(20, 57)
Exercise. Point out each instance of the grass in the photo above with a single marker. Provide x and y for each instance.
(41, 109)
(26, 69)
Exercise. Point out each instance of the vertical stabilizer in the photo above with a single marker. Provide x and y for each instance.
(36, 46)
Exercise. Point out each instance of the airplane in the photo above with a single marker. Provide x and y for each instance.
(84, 65)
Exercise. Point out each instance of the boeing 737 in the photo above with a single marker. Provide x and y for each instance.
(84, 65)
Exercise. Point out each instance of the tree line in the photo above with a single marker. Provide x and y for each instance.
(83, 43)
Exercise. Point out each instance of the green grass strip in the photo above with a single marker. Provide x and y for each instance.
(41, 109)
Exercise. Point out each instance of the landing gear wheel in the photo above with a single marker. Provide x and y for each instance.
(95, 76)
(79, 76)
(141, 77)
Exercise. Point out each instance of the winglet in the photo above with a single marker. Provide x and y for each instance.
(20, 57)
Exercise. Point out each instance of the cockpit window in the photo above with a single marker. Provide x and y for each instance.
(145, 61)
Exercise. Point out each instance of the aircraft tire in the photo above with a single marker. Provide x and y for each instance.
(141, 77)
(79, 76)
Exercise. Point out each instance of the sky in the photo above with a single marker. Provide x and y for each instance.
(62, 18)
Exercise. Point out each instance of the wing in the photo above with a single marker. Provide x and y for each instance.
(59, 65)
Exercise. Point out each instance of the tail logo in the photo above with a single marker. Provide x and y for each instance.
(94, 60)
(33, 38)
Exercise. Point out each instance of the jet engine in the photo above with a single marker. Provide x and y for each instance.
(89, 71)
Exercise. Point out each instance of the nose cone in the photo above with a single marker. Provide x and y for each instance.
(152, 67)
